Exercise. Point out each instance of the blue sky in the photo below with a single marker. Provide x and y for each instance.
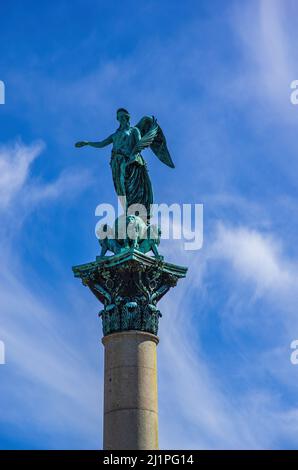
(217, 76)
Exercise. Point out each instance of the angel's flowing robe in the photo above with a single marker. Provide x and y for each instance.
(131, 181)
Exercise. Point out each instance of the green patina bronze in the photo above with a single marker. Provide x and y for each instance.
(129, 283)
(137, 234)
(129, 170)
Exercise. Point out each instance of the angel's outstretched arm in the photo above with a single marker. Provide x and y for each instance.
(100, 144)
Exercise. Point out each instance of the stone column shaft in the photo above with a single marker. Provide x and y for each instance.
(130, 391)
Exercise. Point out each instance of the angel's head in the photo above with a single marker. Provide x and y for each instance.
(123, 116)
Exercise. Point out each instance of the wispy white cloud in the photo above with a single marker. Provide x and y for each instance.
(19, 187)
(252, 267)
(255, 257)
(15, 162)
(22, 192)
(198, 408)
(65, 186)
(269, 55)
(257, 270)
(53, 371)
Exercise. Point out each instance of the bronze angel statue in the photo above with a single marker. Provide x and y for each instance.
(129, 170)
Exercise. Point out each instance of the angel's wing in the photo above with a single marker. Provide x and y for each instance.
(147, 138)
(148, 127)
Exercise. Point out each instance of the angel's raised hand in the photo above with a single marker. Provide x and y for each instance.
(81, 144)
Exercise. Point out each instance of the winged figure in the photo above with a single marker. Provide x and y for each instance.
(129, 169)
